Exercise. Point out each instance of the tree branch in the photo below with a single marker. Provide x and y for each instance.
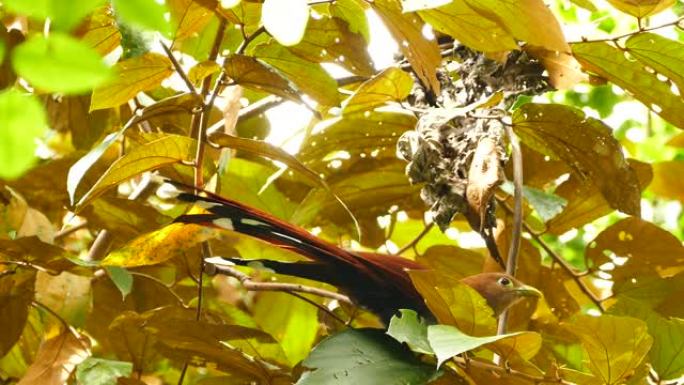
(417, 239)
(179, 69)
(640, 30)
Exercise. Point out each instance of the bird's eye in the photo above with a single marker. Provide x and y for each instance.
(503, 281)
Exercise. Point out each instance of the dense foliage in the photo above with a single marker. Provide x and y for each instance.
(557, 119)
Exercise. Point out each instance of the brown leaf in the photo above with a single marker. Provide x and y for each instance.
(484, 176)
(407, 30)
(648, 249)
(190, 16)
(250, 73)
(71, 114)
(16, 294)
(586, 145)
(56, 359)
(564, 70)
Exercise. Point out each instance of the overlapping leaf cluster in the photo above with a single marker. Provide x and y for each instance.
(101, 100)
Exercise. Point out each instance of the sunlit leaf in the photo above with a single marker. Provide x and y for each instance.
(309, 78)
(16, 294)
(586, 145)
(667, 180)
(615, 345)
(249, 72)
(648, 249)
(189, 17)
(410, 329)
(287, 31)
(641, 8)
(23, 121)
(294, 326)
(363, 357)
(201, 70)
(56, 359)
(152, 248)
(454, 303)
(527, 20)
(459, 20)
(329, 40)
(148, 14)
(407, 30)
(99, 371)
(660, 53)
(564, 70)
(100, 31)
(63, 15)
(59, 63)
(353, 12)
(447, 341)
(392, 84)
(133, 75)
(246, 13)
(169, 149)
(610, 63)
(667, 353)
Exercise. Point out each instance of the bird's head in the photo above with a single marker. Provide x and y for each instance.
(500, 290)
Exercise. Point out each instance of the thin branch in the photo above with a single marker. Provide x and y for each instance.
(319, 306)
(245, 43)
(179, 69)
(100, 247)
(577, 276)
(464, 363)
(31, 265)
(248, 284)
(61, 320)
(516, 231)
(70, 230)
(417, 239)
(640, 30)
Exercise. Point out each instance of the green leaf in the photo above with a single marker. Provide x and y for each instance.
(610, 62)
(392, 84)
(363, 357)
(667, 354)
(354, 14)
(641, 8)
(615, 345)
(286, 30)
(167, 150)
(309, 77)
(121, 278)
(660, 53)
(64, 15)
(547, 205)
(460, 21)
(447, 341)
(586, 145)
(409, 328)
(147, 14)
(99, 371)
(137, 74)
(59, 63)
(23, 121)
(407, 30)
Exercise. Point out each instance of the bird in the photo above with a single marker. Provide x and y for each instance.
(379, 283)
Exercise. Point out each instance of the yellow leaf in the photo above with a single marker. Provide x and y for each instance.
(392, 84)
(158, 246)
(615, 345)
(141, 73)
(641, 8)
(667, 180)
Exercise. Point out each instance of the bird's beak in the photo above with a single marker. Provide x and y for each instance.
(528, 291)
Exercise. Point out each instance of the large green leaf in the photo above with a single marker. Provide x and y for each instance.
(587, 146)
(363, 357)
(99, 371)
(148, 14)
(410, 329)
(660, 53)
(164, 151)
(23, 121)
(63, 15)
(59, 63)
(392, 84)
(667, 353)
(611, 63)
(137, 74)
(615, 345)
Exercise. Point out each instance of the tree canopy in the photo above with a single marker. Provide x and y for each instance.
(540, 137)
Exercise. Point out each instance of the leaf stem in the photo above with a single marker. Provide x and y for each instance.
(179, 69)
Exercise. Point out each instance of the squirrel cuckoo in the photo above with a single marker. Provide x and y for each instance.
(377, 282)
